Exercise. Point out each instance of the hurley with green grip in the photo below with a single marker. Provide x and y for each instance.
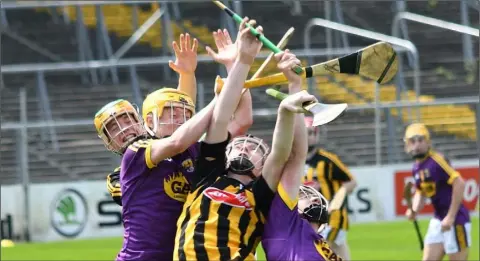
(276, 94)
(297, 69)
(322, 113)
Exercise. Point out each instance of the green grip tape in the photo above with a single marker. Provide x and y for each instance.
(276, 94)
(271, 46)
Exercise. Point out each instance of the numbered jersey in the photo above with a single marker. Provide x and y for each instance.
(433, 178)
(289, 237)
(152, 199)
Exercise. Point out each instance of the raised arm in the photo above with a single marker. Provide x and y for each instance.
(242, 118)
(185, 65)
(227, 53)
(291, 176)
(229, 98)
(186, 135)
(284, 127)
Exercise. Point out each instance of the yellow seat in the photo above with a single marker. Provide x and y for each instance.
(452, 119)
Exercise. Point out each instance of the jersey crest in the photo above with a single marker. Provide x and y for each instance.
(176, 186)
(188, 165)
(231, 199)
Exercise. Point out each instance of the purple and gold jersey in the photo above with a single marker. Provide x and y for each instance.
(287, 236)
(152, 199)
(434, 177)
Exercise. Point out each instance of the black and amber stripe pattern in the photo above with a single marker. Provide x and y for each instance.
(211, 230)
(326, 168)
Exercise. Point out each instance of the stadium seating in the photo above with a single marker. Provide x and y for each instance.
(82, 156)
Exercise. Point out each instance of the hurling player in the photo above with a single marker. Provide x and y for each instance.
(449, 231)
(297, 211)
(156, 174)
(327, 173)
(225, 211)
(184, 65)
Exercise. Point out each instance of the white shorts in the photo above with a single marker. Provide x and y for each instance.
(454, 240)
(334, 235)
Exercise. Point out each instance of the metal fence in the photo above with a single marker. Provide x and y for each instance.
(31, 138)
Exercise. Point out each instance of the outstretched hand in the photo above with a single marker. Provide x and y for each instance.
(227, 50)
(294, 102)
(248, 45)
(285, 62)
(186, 55)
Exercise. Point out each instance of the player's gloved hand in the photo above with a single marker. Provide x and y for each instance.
(186, 55)
(113, 186)
(411, 215)
(294, 102)
(248, 45)
(285, 62)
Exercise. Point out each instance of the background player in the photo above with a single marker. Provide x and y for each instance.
(297, 212)
(449, 231)
(225, 210)
(327, 173)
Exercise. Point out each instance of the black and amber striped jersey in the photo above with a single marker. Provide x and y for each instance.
(222, 218)
(113, 186)
(327, 171)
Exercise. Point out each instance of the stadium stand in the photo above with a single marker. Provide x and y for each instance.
(82, 156)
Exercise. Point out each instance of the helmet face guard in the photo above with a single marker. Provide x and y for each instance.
(416, 132)
(155, 105)
(171, 120)
(317, 209)
(118, 124)
(240, 155)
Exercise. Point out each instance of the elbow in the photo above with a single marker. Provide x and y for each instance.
(298, 155)
(243, 126)
(459, 183)
(350, 186)
(354, 184)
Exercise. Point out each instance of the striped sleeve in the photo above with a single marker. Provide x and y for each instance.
(444, 168)
(340, 171)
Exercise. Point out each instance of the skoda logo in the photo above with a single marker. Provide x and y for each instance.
(69, 213)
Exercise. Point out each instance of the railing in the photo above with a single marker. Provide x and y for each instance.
(407, 45)
(465, 30)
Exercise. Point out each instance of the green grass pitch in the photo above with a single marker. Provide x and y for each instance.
(375, 241)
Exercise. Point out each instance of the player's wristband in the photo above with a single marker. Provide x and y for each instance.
(215, 149)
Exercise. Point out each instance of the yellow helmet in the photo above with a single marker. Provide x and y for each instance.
(156, 101)
(118, 124)
(416, 129)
